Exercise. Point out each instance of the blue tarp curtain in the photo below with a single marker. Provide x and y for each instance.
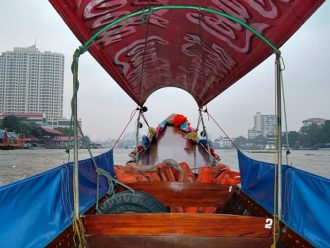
(305, 197)
(35, 210)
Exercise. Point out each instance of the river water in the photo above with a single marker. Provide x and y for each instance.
(19, 164)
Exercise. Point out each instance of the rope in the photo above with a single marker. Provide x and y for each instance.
(144, 118)
(79, 233)
(112, 181)
(198, 122)
(275, 217)
(285, 116)
(223, 131)
(88, 147)
(137, 134)
(65, 187)
(100, 171)
(288, 184)
(212, 162)
(95, 166)
(78, 228)
(121, 134)
(74, 69)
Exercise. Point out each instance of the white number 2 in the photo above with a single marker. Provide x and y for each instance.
(269, 223)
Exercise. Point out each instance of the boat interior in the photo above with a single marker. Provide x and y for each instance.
(174, 192)
(192, 214)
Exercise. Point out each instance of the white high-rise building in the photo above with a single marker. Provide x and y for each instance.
(263, 125)
(32, 82)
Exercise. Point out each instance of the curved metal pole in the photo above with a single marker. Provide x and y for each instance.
(148, 11)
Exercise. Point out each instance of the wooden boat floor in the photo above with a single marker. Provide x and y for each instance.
(172, 144)
(182, 230)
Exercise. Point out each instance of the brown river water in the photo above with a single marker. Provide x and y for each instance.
(19, 164)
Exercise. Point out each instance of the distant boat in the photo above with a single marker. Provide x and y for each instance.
(203, 47)
(10, 140)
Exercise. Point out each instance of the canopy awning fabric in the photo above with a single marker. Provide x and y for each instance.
(199, 52)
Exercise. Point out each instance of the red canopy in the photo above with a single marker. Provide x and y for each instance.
(199, 52)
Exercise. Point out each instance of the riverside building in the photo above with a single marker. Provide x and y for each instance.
(263, 125)
(32, 82)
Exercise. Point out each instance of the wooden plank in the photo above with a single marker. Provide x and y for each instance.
(186, 194)
(174, 224)
(174, 241)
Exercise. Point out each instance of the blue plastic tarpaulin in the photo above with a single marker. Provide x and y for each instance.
(35, 210)
(305, 197)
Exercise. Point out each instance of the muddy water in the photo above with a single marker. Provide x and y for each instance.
(19, 164)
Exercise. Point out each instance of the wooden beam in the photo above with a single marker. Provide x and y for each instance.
(186, 194)
(174, 224)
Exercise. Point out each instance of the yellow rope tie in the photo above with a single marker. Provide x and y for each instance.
(151, 133)
(192, 135)
(79, 233)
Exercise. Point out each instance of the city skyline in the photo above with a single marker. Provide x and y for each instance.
(306, 78)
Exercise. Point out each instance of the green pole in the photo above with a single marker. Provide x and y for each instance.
(148, 11)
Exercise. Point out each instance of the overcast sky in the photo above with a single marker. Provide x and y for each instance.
(105, 108)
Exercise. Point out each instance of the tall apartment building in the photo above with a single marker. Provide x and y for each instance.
(32, 82)
(263, 125)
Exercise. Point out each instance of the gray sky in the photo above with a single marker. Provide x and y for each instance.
(105, 108)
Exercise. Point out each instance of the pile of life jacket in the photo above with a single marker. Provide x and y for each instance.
(162, 172)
